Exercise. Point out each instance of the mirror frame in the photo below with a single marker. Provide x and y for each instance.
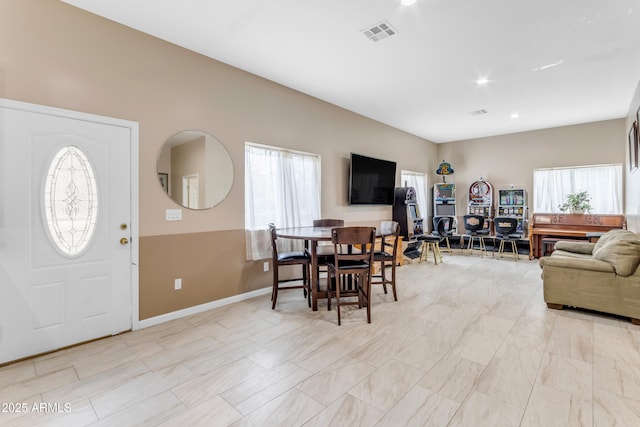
(198, 163)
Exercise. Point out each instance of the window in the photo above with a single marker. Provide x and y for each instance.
(281, 186)
(70, 201)
(603, 182)
(418, 181)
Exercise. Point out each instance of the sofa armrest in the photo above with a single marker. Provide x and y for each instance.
(577, 247)
(577, 263)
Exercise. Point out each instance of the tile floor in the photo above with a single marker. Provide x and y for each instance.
(469, 343)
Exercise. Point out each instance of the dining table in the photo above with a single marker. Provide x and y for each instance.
(313, 235)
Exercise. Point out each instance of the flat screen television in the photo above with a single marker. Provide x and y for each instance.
(371, 181)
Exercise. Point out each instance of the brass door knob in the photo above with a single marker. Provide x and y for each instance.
(124, 241)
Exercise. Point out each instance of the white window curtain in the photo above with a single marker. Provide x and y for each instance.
(283, 187)
(602, 182)
(418, 181)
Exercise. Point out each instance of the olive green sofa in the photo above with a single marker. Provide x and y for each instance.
(602, 276)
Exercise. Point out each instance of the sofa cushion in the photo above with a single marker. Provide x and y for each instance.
(611, 234)
(570, 254)
(566, 264)
(584, 248)
(622, 250)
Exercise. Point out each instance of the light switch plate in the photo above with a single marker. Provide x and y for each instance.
(173, 215)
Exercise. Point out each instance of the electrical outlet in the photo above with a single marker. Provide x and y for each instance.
(265, 266)
(177, 284)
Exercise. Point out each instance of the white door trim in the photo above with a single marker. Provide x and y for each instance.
(135, 166)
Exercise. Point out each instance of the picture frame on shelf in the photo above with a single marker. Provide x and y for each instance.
(164, 181)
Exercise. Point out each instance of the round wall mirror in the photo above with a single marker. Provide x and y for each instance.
(195, 170)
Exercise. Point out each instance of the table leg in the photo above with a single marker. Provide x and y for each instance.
(314, 275)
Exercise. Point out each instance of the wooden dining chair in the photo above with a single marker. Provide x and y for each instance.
(325, 251)
(349, 272)
(300, 258)
(386, 256)
(326, 222)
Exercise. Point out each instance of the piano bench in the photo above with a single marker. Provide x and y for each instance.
(593, 237)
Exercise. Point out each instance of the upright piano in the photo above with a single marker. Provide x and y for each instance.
(544, 225)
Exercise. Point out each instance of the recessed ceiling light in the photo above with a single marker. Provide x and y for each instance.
(514, 115)
(407, 2)
(482, 81)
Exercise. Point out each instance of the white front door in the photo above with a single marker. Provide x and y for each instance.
(65, 228)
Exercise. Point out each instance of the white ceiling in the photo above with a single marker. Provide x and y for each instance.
(554, 62)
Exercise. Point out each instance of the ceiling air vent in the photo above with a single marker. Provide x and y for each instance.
(478, 112)
(379, 31)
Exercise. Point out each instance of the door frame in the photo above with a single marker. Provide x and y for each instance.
(134, 191)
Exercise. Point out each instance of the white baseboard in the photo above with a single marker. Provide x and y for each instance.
(199, 308)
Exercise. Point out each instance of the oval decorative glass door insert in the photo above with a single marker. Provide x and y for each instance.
(71, 200)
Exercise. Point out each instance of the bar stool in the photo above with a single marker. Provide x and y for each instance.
(432, 241)
(445, 230)
(506, 232)
(474, 227)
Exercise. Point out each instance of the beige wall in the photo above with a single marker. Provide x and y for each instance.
(510, 159)
(54, 54)
(632, 196)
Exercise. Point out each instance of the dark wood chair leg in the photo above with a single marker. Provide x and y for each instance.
(393, 282)
(274, 292)
(635, 321)
(338, 286)
(307, 283)
(329, 291)
(383, 275)
(368, 296)
(305, 268)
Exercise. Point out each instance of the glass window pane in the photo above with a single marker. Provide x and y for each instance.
(70, 201)
(281, 186)
(602, 182)
(418, 181)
